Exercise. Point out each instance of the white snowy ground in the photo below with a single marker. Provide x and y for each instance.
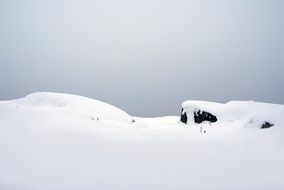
(54, 141)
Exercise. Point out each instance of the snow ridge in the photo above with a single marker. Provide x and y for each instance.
(70, 104)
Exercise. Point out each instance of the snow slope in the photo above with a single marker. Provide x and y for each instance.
(246, 113)
(70, 104)
(49, 142)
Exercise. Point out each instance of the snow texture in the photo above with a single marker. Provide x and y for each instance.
(70, 104)
(249, 113)
(49, 141)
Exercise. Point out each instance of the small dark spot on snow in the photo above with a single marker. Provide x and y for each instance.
(266, 125)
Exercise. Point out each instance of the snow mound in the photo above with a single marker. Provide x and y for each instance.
(248, 113)
(70, 104)
(44, 147)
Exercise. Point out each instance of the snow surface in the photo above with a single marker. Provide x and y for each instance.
(49, 141)
(70, 104)
(246, 112)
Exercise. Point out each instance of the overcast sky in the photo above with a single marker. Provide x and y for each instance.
(144, 56)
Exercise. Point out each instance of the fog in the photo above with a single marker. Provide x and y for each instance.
(145, 57)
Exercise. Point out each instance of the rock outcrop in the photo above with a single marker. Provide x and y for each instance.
(266, 125)
(199, 116)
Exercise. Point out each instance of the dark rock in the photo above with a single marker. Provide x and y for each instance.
(200, 116)
(183, 117)
(266, 125)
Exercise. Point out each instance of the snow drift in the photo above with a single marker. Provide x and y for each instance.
(49, 141)
(70, 104)
(246, 113)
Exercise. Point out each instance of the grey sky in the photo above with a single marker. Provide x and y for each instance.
(144, 56)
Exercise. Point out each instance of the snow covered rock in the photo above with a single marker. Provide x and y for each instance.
(199, 116)
(183, 116)
(192, 113)
(260, 122)
(73, 105)
(249, 113)
(266, 125)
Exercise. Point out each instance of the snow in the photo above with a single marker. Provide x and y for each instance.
(49, 142)
(246, 112)
(70, 104)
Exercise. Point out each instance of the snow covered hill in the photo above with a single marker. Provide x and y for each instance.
(51, 141)
(69, 104)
